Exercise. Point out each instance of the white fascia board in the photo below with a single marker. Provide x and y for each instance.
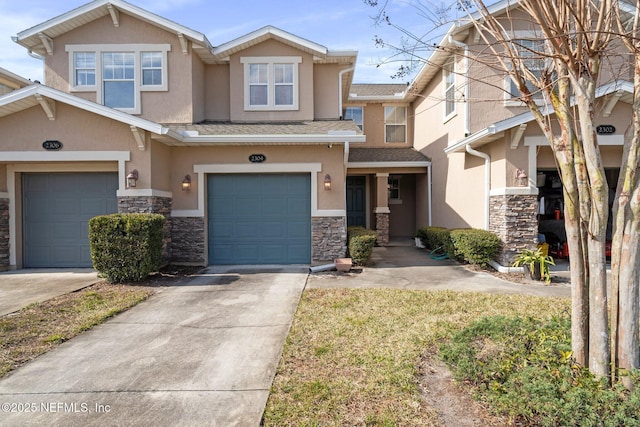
(386, 98)
(266, 139)
(369, 165)
(82, 104)
(233, 44)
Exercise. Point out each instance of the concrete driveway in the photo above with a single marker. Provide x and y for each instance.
(203, 352)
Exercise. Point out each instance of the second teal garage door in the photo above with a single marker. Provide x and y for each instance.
(259, 218)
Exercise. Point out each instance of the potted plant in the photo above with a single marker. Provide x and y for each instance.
(536, 264)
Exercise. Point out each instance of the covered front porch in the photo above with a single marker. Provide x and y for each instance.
(388, 190)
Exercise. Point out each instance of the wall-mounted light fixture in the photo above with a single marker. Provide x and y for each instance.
(521, 177)
(132, 178)
(327, 182)
(186, 183)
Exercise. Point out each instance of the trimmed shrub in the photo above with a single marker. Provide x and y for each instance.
(126, 247)
(475, 246)
(360, 243)
(431, 236)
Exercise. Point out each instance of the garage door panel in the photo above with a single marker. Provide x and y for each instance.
(56, 211)
(256, 229)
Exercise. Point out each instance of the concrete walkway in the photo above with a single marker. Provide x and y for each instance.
(20, 288)
(403, 266)
(202, 352)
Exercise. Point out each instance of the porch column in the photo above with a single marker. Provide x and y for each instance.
(382, 208)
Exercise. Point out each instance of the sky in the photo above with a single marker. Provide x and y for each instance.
(335, 24)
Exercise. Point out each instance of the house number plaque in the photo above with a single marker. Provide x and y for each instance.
(257, 158)
(605, 129)
(52, 145)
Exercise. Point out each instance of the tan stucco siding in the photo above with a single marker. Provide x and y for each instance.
(218, 92)
(172, 106)
(272, 48)
(78, 130)
(325, 91)
(162, 176)
(198, 88)
(183, 159)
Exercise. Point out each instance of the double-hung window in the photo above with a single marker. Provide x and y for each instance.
(118, 73)
(395, 124)
(530, 54)
(271, 83)
(449, 80)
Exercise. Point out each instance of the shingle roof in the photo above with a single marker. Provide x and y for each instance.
(385, 155)
(320, 127)
(377, 89)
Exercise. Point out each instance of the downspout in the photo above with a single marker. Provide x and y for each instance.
(430, 189)
(456, 43)
(340, 74)
(487, 180)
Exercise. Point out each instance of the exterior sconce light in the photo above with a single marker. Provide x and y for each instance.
(132, 178)
(186, 183)
(521, 177)
(327, 182)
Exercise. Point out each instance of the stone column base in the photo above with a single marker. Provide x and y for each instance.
(513, 218)
(382, 228)
(4, 234)
(329, 238)
(188, 240)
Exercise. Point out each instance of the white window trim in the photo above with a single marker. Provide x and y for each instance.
(270, 61)
(137, 50)
(446, 117)
(406, 121)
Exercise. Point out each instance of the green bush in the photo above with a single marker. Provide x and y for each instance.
(126, 247)
(523, 368)
(360, 243)
(431, 237)
(475, 246)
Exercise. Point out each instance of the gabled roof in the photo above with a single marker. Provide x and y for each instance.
(12, 80)
(36, 39)
(320, 53)
(619, 91)
(37, 94)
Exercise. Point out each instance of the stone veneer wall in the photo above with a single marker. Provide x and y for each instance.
(329, 238)
(382, 229)
(513, 218)
(151, 204)
(4, 234)
(188, 240)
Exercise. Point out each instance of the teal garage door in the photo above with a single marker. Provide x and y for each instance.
(259, 218)
(56, 212)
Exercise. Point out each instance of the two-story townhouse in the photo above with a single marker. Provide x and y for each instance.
(242, 146)
(493, 168)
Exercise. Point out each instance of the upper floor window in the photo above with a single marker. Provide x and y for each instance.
(271, 83)
(449, 80)
(395, 124)
(530, 54)
(118, 73)
(355, 114)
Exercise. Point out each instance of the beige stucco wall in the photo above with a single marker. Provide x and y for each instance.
(198, 89)
(325, 91)
(183, 159)
(272, 48)
(217, 92)
(173, 106)
(373, 120)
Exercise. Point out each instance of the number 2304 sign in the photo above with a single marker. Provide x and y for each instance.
(257, 158)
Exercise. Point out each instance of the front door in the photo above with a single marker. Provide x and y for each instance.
(356, 201)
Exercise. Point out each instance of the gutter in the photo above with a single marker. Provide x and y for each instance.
(487, 180)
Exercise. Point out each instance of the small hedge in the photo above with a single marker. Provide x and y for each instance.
(126, 247)
(475, 246)
(360, 243)
(469, 245)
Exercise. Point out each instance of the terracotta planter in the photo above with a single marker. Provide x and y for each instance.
(343, 264)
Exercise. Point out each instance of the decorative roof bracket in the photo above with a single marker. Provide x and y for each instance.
(183, 43)
(139, 136)
(47, 42)
(49, 107)
(611, 103)
(516, 135)
(115, 15)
